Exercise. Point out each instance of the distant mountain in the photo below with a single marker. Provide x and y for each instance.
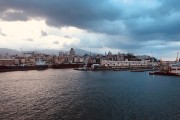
(82, 52)
(6, 51)
(56, 52)
(47, 51)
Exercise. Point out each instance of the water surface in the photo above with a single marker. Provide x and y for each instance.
(102, 95)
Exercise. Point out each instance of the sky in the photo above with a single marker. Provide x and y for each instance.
(149, 27)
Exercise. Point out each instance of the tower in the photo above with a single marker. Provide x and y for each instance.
(72, 52)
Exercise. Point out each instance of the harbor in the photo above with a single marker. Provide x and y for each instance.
(169, 68)
(88, 62)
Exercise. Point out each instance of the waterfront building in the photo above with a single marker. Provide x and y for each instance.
(112, 57)
(72, 52)
(175, 68)
(7, 62)
(108, 63)
(61, 54)
(143, 57)
(22, 61)
(30, 63)
(131, 57)
(109, 53)
(17, 61)
(58, 60)
(120, 57)
(78, 59)
(70, 59)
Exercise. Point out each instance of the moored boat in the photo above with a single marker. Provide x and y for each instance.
(163, 73)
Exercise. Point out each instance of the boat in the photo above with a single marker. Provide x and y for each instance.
(172, 70)
(21, 68)
(67, 65)
(163, 73)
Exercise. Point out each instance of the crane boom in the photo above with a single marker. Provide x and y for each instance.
(22, 52)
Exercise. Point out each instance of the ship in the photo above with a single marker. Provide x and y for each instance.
(40, 65)
(21, 68)
(67, 65)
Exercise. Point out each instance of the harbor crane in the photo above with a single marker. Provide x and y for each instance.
(86, 60)
(22, 52)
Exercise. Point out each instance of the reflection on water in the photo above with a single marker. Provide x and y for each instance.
(70, 94)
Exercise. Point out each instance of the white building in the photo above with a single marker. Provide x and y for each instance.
(78, 59)
(124, 63)
(175, 68)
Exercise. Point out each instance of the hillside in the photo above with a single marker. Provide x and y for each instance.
(4, 51)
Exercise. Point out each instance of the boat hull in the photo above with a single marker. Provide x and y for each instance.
(22, 68)
(164, 73)
(62, 66)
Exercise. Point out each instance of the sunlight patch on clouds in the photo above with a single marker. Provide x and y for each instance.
(21, 29)
(28, 35)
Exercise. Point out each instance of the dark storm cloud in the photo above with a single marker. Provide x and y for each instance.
(142, 21)
(78, 13)
(103, 16)
(14, 16)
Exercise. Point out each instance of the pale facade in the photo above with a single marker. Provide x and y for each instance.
(123, 63)
(4, 62)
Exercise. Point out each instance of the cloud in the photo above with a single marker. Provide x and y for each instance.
(130, 25)
(66, 36)
(136, 18)
(2, 34)
(13, 15)
(43, 33)
(29, 39)
(56, 42)
(80, 13)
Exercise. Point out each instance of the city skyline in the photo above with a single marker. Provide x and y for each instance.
(140, 27)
